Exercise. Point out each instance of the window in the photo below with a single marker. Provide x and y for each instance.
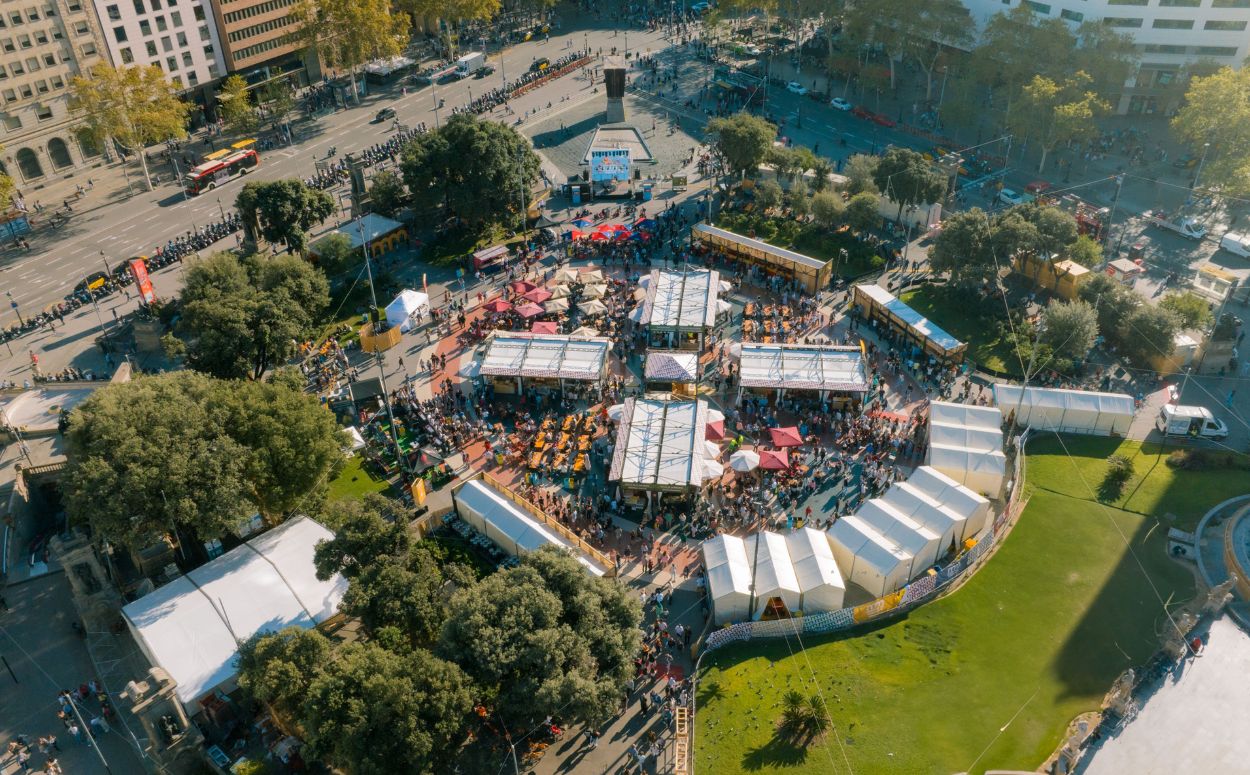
(32, 64)
(1180, 3)
(160, 24)
(1229, 26)
(199, 12)
(175, 18)
(12, 123)
(43, 112)
(192, 78)
(10, 95)
(182, 40)
(41, 37)
(1217, 51)
(1072, 16)
(26, 92)
(3, 23)
(187, 61)
(8, 45)
(204, 33)
(1173, 24)
(17, 68)
(49, 11)
(171, 64)
(151, 48)
(119, 34)
(177, 79)
(74, 6)
(41, 86)
(209, 53)
(139, 9)
(56, 34)
(145, 27)
(15, 18)
(82, 28)
(156, 5)
(1121, 22)
(1128, 2)
(1230, 3)
(1038, 8)
(114, 13)
(57, 82)
(88, 49)
(3, 73)
(167, 45)
(32, 14)
(128, 57)
(49, 60)
(23, 41)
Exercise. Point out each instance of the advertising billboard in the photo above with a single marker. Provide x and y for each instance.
(139, 270)
(609, 164)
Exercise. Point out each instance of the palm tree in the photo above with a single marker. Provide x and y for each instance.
(804, 718)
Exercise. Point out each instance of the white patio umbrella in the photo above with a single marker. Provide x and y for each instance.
(715, 415)
(735, 349)
(636, 314)
(593, 276)
(723, 306)
(593, 307)
(712, 470)
(595, 291)
(617, 411)
(744, 460)
(565, 275)
(557, 305)
(710, 450)
(583, 331)
(644, 281)
(560, 291)
(726, 286)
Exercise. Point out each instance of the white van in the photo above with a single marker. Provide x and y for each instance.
(1196, 421)
(1237, 244)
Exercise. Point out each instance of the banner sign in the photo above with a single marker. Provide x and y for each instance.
(609, 164)
(139, 270)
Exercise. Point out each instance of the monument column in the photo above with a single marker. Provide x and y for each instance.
(614, 68)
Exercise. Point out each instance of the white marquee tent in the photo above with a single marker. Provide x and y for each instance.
(659, 444)
(1067, 411)
(803, 367)
(867, 558)
(952, 495)
(905, 498)
(820, 581)
(406, 306)
(728, 578)
(192, 626)
(924, 545)
(510, 528)
(985, 417)
(967, 437)
(982, 472)
(562, 356)
(773, 573)
(681, 301)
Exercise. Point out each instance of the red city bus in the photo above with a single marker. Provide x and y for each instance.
(219, 168)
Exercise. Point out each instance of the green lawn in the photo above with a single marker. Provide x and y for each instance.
(972, 323)
(1031, 641)
(356, 481)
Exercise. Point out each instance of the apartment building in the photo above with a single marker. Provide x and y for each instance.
(1169, 35)
(258, 35)
(44, 44)
(178, 36)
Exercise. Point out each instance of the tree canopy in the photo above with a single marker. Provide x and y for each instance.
(742, 141)
(277, 667)
(1216, 111)
(908, 178)
(1191, 310)
(387, 193)
(186, 451)
(545, 637)
(235, 102)
(860, 172)
(1069, 328)
(482, 171)
(283, 210)
(241, 316)
(1050, 113)
(349, 33)
(965, 247)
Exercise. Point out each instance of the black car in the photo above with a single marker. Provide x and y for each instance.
(385, 114)
(484, 71)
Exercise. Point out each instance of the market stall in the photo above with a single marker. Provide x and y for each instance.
(1066, 411)
(924, 545)
(728, 578)
(776, 587)
(820, 582)
(407, 309)
(810, 274)
(823, 372)
(876, 303)
(680, 309)
(974, 508)
(659, 448)
(867, 558)
(517, 361)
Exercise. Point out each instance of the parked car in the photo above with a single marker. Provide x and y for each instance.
(484, 71)
(753, 50)
(1037, 187)
(882, 119)
(542, 63)
(861, 112)
(1009, 197)
(385, 114)
(701, 7)
(840, 103)
(794, 87)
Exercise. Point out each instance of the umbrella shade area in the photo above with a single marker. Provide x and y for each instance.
(710, 450)
(774, 459)
(522, 286)
(537, 295)
(591, 276)
(565, 275)
(593, 307)
(575, 234)
(715, 431)
(599, 236)
(581, 223)
(559, 292)
(712, 470)
(613, 228)
(545, 327)
(558, 305)
(785, 437)
(644, 223)
(595, 291)
(498, 305)
(744, 460)
(583, 331)
(529, 310)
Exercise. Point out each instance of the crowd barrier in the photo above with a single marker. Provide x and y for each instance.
(549, 77)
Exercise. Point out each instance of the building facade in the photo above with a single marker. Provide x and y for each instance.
(258, 34)
(178, 36)
(1169, 35)
(43, 45)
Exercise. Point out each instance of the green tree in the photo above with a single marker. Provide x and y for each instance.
(1069, 329)
(799, 199)
(7, 187)
(234, 98)
(350, 33)
(370, 711)
(828, 209)
(131, 106)
(336, 255)
(369, 531)
(407, 595)
(1010, 233)
(278, 98)
(1112, 302)
(1050, 112)
(742, 141)
(1147, 332)
(1056, 229)
(965, 248)
(283, 211)
(768, 194)
(242, 316)
(908, 178)
(545, 637)
(861, 211)
(480, 170)
(860, 171)
(1017, 45)
(1215, 121)
(1085, 250)
(935, 27)
(1106, 53)
(1191, 311)
(188, 452)
(278, 667)
(387, 193)
(822, 173)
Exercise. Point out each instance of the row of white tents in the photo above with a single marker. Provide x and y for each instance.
(966, 444)
(1067, 411)
(797, 569)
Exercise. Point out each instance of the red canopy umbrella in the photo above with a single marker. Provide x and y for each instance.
(598, 236)
(786, 437)
(715, 431)
(498, 305)
(537, 295)
(774, 459)
(575, 234)
(529, 310)
(522, 286)
(612, 228)
(545, 327)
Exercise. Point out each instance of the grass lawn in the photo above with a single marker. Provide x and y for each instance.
(356, 481)
(961, 320)
(1034, 639)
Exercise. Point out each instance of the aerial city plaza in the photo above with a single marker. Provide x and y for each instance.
(568, 387)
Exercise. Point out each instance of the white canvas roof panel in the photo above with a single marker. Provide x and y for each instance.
(1068, 411)
(984, 417)
(917, 322)
(806, 367)
(907, 499)
(981, 472)
(672, 366)
(977, 439)
(924, 545)
(522, 354)
(951, 494)
(867, 558)
(659, 443)
(192, 626)
(728, 577)
(681, 300)
(512, 529)
(816, 570)
(774, 572)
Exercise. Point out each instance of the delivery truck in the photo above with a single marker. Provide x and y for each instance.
(1194, 421)
(1237, 244)
(1186, 226)
(470, 63)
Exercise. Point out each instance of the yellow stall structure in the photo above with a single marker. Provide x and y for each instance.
(1063, 277)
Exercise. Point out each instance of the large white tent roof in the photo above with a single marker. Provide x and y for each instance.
(806, 367)
(681, 300)
(907, 499)
(564, 356)
(817, 572)
(967, 437)
(408, 303)
(671, 366)
(1070, 411)
(975, 508)
(728, 577)
(986, 417)
(774, 572)
(868, 558)
(192, 626)
(924, 545)
(512, 529)
(977, 470)
(659, 443)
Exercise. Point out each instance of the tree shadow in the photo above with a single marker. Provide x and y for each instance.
(709, 691)
(779, 751)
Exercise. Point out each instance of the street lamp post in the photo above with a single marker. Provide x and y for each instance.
(107, 270)
(221, 209)
(16, 311)
(942, 94)
(1198, 173)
